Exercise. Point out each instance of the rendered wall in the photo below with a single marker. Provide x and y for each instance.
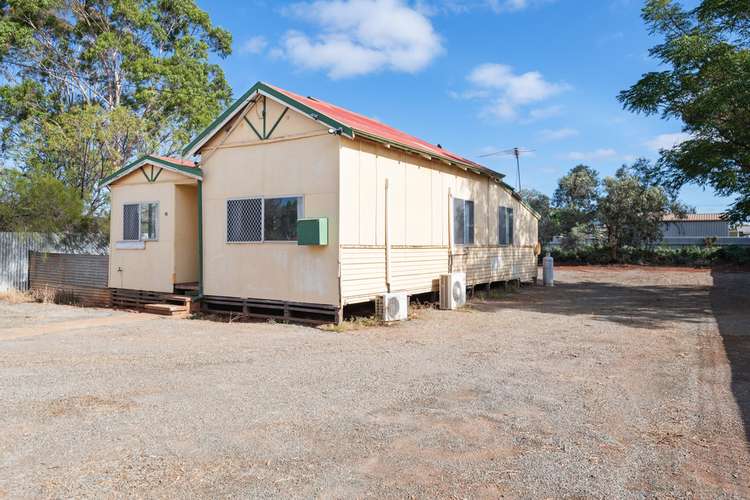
(186, 233)
(152, 267)
(299, 159)
(419, 212)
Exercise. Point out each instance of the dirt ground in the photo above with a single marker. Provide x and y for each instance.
(618, 382)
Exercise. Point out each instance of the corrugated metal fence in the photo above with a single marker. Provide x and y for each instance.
(80, 279)
(15, 248)
(14, 258)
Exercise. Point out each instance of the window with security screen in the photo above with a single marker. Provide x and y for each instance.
(245, 220)
(131, 225)
(263, 219)
(140, 221)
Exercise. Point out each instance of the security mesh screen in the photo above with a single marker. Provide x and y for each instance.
(130, 222)
(245, 220)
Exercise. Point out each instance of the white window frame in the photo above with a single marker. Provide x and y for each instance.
(300, 215)
(140, 207)
(510, 225)
(473, 225)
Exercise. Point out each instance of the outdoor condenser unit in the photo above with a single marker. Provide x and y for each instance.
(392, 307)
(452, 290)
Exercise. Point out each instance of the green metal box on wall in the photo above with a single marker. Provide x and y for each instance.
(312, 231)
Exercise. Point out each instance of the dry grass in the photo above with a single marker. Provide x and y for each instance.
(13, 296)
(44, 295)
(353, 324)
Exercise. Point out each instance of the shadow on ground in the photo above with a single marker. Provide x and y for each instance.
(634, 306)
(730, 302)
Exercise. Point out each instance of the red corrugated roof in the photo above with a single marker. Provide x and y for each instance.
(694, 218)
(179, 161)
(369, 126)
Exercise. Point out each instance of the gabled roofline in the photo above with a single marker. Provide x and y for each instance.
(193, 172)
(263, 89)
(341, 128)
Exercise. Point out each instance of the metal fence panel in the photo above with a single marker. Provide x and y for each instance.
(79, 278)
(14, 254)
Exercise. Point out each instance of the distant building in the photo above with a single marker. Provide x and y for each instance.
(696, 229)
(697, 225)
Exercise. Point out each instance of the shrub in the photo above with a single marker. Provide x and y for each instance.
(692, 256)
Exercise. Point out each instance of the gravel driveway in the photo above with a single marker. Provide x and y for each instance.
(618, 382)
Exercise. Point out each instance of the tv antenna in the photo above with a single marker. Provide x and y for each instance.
(517, 152)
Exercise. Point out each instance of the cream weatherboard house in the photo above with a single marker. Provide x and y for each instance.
(297, 207)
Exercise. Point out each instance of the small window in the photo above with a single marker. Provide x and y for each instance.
(463, 222)
(505, 226)
(140, 221)
(258, 219)
(280, 218)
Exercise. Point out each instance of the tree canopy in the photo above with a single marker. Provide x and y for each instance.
(89, 84)
(706, 85)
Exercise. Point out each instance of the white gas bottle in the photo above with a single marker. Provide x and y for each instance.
(548, 270)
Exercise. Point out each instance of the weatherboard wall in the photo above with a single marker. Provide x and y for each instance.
(419, 213)
(152, 267)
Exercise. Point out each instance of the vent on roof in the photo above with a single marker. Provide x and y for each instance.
(312, 98)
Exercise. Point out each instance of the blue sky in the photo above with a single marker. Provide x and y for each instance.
(475, 76)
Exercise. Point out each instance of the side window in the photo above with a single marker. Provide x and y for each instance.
(245, 220)
(140, 221)
(463, 222)
(505, 226)
(149, 221)
(130, 224)
(280, 218)
(263, 219)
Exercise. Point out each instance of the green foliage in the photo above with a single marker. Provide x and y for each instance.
(541, 204)
(707, 55)
(631, 211)
(575, 201)
(89, 85)
(692, 256)
(37, 203)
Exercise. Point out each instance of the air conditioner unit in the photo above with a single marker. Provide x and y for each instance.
(392, 307)
(452, 290)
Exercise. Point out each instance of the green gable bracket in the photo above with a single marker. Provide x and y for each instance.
(312, 231)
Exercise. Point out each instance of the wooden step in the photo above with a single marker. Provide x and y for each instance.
(182, 299)
(167, 309)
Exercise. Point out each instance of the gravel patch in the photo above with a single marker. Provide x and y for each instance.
(618, 382)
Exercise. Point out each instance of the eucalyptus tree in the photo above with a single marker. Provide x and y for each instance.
(89, 84)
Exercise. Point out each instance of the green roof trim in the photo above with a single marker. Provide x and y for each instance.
(265, 89)
(193, 172)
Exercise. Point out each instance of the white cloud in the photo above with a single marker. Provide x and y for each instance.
(358, 37)
(558, 134)
(254, 45)
(433, 7)
(599, 154)
(666, 141)
(508, 92)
